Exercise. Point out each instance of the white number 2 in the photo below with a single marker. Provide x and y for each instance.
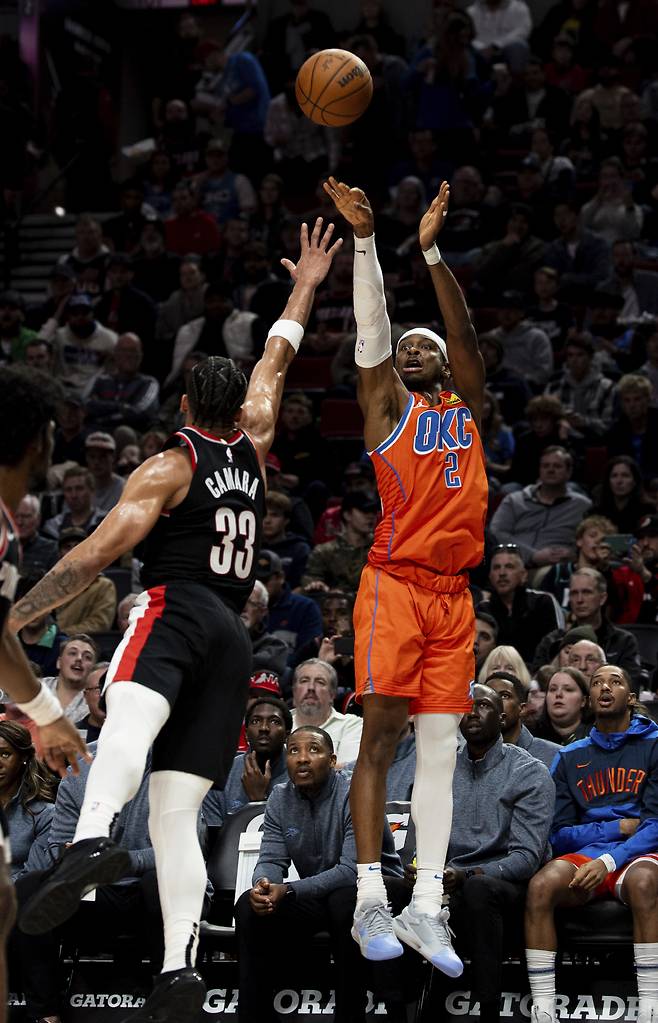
(225, 558)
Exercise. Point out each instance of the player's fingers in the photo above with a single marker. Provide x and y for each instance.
(317, 230)
(330, 190)
(289, 265)
(326, 237)
(334, 249)
(303, 235)
(55, 760)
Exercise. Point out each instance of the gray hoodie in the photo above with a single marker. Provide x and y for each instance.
(522, 519)
(540, 749)
(503, 811)
(316, 835)
(219, 805)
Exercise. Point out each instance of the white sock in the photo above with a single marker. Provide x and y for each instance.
(646, 968)
(370, 883)
(135, 715)
(431, 804)
(174, 802)
(541, 974)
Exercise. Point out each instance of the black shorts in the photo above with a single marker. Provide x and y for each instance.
(183, 642)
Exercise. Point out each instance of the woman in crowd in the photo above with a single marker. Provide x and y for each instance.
(158, 181)
(563, 719)
(622, 498)
(27, 793)
(505, 658)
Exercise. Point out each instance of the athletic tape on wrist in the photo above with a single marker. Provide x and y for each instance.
(608, 861)
(43, 709)
(292, 331)
(432, 256)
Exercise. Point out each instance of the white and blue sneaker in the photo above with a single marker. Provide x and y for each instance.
(429, 935)
(373, 931)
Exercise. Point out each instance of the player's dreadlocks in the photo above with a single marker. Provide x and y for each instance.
(28, 399)
(216, 391)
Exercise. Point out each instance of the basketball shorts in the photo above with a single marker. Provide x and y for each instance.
(413, 642)
(182, 641)
(610, 887)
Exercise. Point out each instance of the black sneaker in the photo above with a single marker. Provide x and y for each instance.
(81, 868)
(177, 997)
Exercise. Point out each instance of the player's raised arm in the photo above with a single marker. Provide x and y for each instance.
(156, 485)
(261, 405)
(381, 392)
(466, 365)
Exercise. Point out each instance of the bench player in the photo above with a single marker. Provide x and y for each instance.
(178, 681)
(413, 617)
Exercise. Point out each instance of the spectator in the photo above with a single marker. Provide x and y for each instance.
(94, 608)
(261, 291)
(541, 519)
(156, 270)
(124, 608)
(83, 347)
(80, 511)
(374, 22)
(338, 563)
(649, 368)
(472, 218)
(299, 146)
(88, 260)
(93, 722)
(70, 433)
(537, 104)
(598, 835)
(179, 139)
(555, 318)
(294, 35)
(636, 427)
(300, 449)
(513, 695)
(639, 288)
(587, 657)
(222, 330)
(39, 354)
(504, 658)
(524, 616)
(589, 534)
(186, 302)
(271, 216)
(502, 29)
(270, 653)
(563, 719)
(612, 214)
(190, 229)
(42, 639)
(491, 859)
(644, 560)
(14, 335)
(27, 794)
(222, 193)
(509, 389)
(123, 308)
(607, 95)
(622, 498)
(254, 774)
(547, 427)
(486, 637)
(293, 618)
(125, 395)
(526, 349)
(108, 487)
(512, 261)
(563, 71)
(337, 609)
(586, 395)
(497, 439)
(124, 230)
(291, 548)
(77, 656)
(313, 692)
(39, 554)
(158, 180)
(588, 593)
(47, 314)
(308, 824)
(581, 258)
(574, 17)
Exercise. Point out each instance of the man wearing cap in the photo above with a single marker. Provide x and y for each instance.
(125, 395)
(82, 347)
(644, 559)
(94, 609)
(270, 653)
(223, 193)
(108, 486)
(14, 335)
(79, 507)
(292, 617)
(124, 307)
(526, 349)
(337, 565)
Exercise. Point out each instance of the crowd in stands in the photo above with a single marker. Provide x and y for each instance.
(547, 130)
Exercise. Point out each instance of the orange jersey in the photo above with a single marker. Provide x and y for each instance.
(433, 487)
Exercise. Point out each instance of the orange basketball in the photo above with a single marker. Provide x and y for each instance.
(333, 88)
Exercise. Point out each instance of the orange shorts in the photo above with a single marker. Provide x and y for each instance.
(415, 643)
(610, 887)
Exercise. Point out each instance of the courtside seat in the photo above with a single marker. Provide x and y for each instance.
(600, 925)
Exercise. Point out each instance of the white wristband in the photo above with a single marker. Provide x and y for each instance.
(608, 861)
(292, 331)
(43, 709)
(432, 256)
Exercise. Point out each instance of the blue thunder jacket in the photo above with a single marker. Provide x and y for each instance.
(601, 780)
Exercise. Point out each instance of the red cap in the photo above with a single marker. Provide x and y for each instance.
(272, 462)
(265, 682)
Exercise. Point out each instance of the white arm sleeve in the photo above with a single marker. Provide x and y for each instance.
(373, 328)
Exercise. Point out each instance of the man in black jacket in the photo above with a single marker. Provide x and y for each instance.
(524, 616)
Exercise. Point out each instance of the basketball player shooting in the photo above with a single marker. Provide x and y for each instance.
(178, 680)
(413, 617)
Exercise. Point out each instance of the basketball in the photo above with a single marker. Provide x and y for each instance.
(333, 88)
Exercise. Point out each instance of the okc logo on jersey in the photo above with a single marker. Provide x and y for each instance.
(442, 431)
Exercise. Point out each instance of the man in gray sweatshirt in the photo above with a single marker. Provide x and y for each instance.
(503, 809)
(308, 824)
(513, 694)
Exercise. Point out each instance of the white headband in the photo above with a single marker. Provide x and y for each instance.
(425, 332)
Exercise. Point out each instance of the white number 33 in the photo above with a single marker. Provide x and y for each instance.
(226, 558)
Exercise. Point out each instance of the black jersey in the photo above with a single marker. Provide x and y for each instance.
(213, 537)
(10, 553)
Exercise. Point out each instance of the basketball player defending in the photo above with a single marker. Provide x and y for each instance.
(178, 680)
(414, 615)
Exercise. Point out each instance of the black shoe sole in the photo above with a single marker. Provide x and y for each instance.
(182, 1005)
(57, 899)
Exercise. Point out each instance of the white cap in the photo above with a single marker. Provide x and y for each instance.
(430, 334)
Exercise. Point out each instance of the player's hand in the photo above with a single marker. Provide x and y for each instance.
(629, 825)
(255, 781)
(316, 257)
(259, 897)
(62, 744)
(434, 218)
(589, 876)
(453, 879)
(353, 204)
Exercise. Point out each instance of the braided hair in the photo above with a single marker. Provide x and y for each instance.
(37, 781)
(216, 390)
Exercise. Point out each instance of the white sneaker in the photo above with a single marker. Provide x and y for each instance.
(373, 931)
(429, 935)
(647, 1017)
(538, 1015)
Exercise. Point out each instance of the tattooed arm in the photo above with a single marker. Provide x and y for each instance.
(160, 483)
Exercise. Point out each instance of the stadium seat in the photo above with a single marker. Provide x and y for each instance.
(647, 641)
(309, 374)
(107, 643)
(599, 925)
(341, 417)
(122, 579)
